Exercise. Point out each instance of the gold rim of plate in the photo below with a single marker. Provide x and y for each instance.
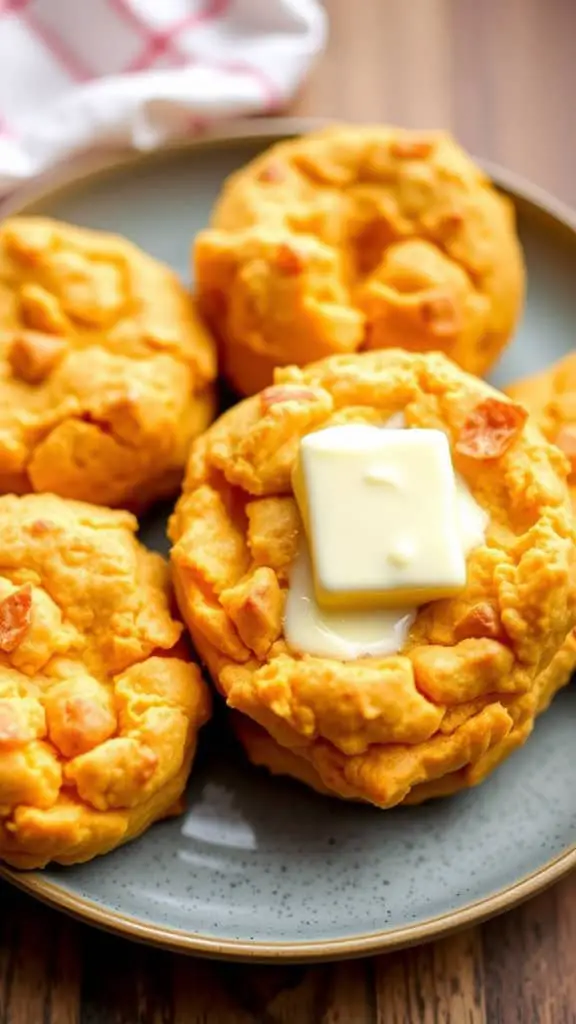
(561, 218)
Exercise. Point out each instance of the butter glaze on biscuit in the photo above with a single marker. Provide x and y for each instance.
(105, 368)
(358, 237)
(464, 691)
(99, 705)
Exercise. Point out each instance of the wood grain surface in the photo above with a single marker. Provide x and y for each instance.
(502, 75)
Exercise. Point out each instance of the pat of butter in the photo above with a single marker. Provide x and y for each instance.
(381, 516)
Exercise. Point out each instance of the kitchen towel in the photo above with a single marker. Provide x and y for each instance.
(84, 75)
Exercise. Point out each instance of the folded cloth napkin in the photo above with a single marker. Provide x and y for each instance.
(81, 74)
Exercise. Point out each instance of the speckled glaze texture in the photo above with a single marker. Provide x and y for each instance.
(261, 860)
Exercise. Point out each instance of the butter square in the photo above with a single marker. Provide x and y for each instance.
(380, 511)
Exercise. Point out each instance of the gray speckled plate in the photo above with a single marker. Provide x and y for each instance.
(264, 868)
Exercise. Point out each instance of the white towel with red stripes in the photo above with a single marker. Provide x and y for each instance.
(80, 75)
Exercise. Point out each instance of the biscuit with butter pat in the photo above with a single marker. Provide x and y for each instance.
(461, 685)
(380, 512)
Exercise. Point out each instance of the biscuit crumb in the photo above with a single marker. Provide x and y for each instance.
(33, 355)
(491, 429)
(411, 149)
(15, 618)
(277, 394)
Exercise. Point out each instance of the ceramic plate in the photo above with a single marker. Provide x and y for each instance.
(264, 868)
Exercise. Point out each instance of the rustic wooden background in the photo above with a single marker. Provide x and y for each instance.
(502, 75)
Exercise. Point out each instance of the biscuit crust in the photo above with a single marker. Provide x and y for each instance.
(105, 367)
(100, 706)
(485, 748)
(358, 237)
(550, 397)
(463, 691)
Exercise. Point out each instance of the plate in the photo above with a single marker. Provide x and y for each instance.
(262, 868)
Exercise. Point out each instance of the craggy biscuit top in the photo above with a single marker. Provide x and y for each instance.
(235, 532)
(99, 709)
(357, 237)
(105, 368)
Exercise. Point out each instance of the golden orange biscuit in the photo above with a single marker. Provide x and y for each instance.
(463, 691)
(550, 397)
(263, 751)
(100, 706)
(105, 367)
(358, 237)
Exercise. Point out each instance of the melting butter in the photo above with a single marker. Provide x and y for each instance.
(335, 633)
(347, 634)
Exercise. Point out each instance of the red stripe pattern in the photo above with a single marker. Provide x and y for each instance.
(137, 44)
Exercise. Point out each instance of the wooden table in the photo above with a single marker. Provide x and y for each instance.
(502, 75)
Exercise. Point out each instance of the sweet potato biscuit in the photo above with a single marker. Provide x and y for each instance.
(358, 237)
(550, 397)
(105, 368)
(442, 753)
(99, 706)
(464, 690)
